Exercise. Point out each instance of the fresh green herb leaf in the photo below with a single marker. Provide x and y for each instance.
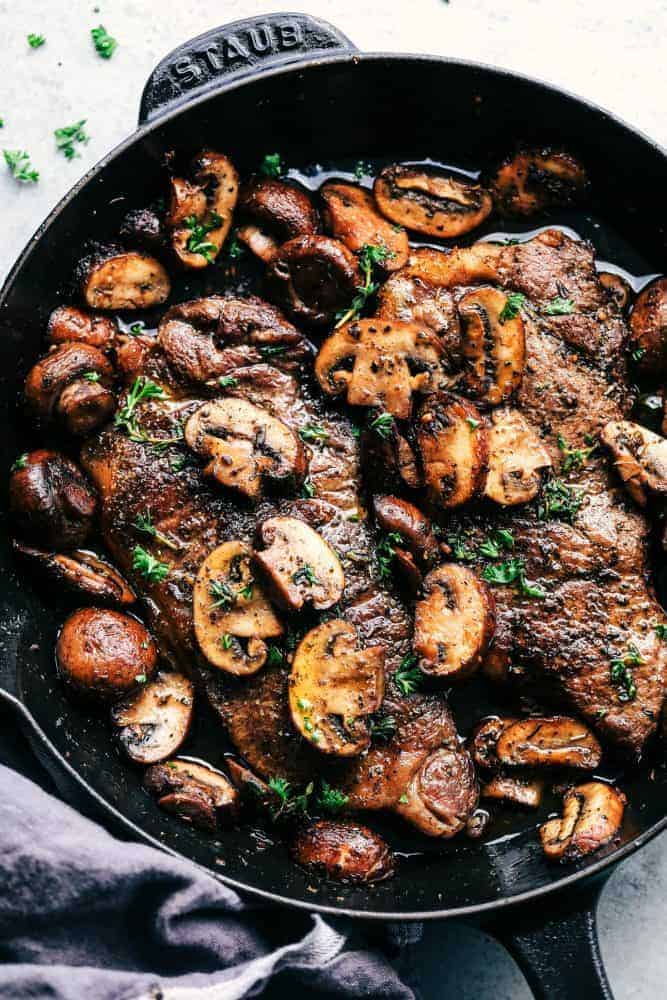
(20, 462)
(2, 122)
(472, 423)
(621, 674)
(307, 490)
(512, 308)
(20, 166)
(559, 501)
(144, 524)
(638, 353)
(246, 590)
(331, 800)
(235, 249)
(228, 382)
(404, 799)
(105, 45)
(370, 256)
(661, 631)
(512, 571)
(313, 433)
(460, 549)
(222, 594)
(385, 552)
(504, 537)
(141, 678)
(489, 549)
(36, 41)
(305, 574)
(199, 230)
(574, 458)
(91, 376)
(126, 419)
(408, 677)
(383, 425)
(226, 641)
(150, 568)
(137, 328)
(383, 727)
(178, 463)
(68, 135)
(362, 170)
(272, 165)
(274, 657)
(289, 803)
(272, 352)
(559, 307)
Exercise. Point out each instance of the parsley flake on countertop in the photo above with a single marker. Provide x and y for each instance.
(68, 135)
(105, 45)
(272, 165)
(36, 41)
(20, 166)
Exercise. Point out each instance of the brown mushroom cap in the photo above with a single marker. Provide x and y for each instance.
(346, 852)
(516, 459)
(383, 357)
(494, 347)
(195, 792)
(103, 653)
(453, 443)
(153, 722)
(454, 623)
(115, 279)
(297, 565)
(648, 329)
(394, 514)
(618, 289)
(245, 446)
(334, 687)
(279, 211)
(51, 501)
(442, 794)
(313, 278)
(230, 606)
(352, 216)
(534, 180)
(82, 572)
(67, 324)
(592, 816)
(71, 382)
(640, 459)
(430, 203)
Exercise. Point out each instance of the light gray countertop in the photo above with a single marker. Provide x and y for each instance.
(609, 51)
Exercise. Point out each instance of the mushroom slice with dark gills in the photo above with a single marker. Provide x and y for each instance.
(452, 439)
(313, 278)
(195, 792)
(442, 794)
(618, 289)
(334, 688)
(115, 279)
(81, 572)
(537, 741)
(152, 723)
(297, 565)
(246, 446)
(211, 337)
(394, 514)
(67, 324)
(592, 816)
(51, 502)
(200, 214)
(517, 458)
(536, 180)
(493, 346)
(648, 329)
(346, 852)
(389, 460)
(379, 363)
(71, 384)
(352, 216)
(640, 459)
(525, 791)
(430, 203)
(232, 615)
(454, 622)
(277, 212)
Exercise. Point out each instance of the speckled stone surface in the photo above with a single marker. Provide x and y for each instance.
(611, 52)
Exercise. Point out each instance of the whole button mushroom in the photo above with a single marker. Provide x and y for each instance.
(313, 278)
(72, 383)
(102, 654)
(346, 852)
(51, 501)
(277, 212)
(68, 324)
(617, 288)
(648, 329)
(115, 279)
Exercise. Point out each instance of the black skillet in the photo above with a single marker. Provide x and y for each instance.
(291, 83)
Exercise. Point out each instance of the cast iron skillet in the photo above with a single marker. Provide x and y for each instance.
(292, 83)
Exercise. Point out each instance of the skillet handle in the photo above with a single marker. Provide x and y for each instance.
(236, 50)
(556, 945)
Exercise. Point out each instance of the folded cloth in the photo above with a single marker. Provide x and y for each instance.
(84, 915)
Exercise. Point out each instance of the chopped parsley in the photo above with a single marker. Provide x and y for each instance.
(307, 490)
(512, 571)
(404, 799)
(559, 307)
(306, 574)
(271, 351)
(274, 657)
(246, 590)
(235, 250)
(20, 166)
(272, 165)
(150, 568)
(289, 802)
(137, 328)
(661, 631)
(20, 462)
(513, 305)
(36, 41)
(499, 539)
(144, 524)
(370, 256)
(362, 169)
(385, 552)
(331, 800)
(638, 353)
(383, 727)
(472, 423)
(222, 594)
(197, 242)
(574, 458)
(68, 135)
(228, 382)
(460, 549)
(559, 501)
(226, 641)
(621, 674)
(408, 677)
(105, 45)
(141, 678)
(91, 376)
(312, 433)
(383, 425)
(126, 419)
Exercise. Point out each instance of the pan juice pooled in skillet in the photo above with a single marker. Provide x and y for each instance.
(365, 459)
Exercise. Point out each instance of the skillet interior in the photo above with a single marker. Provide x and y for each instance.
(365, 107)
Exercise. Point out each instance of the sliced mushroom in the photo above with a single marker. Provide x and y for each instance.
(277, 212)
(51, 501)
(313, 278)
(648, 329)
(246, 446)
(538, 741)
(352, 217)
(71, 383)
(230, 606)
(442, 794)
(592, 816)
(494, 346)
(640, 458)
(200, 214)
(617, 288)
(379, 363)
(84, 573)
(152, 723)
(103, 653)
(526, 792)
(253, 790)
(430, 203)
(67, 323)
(347, 852)
(536, 180)
(459, 266)
(454, 623)
(115, 279)
(516, 459)
(453, 444)
(297, 565)
(195, 792)
(334, 687)
(389, 460)
(402, 517)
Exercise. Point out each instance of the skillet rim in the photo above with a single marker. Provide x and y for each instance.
(35, 731)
